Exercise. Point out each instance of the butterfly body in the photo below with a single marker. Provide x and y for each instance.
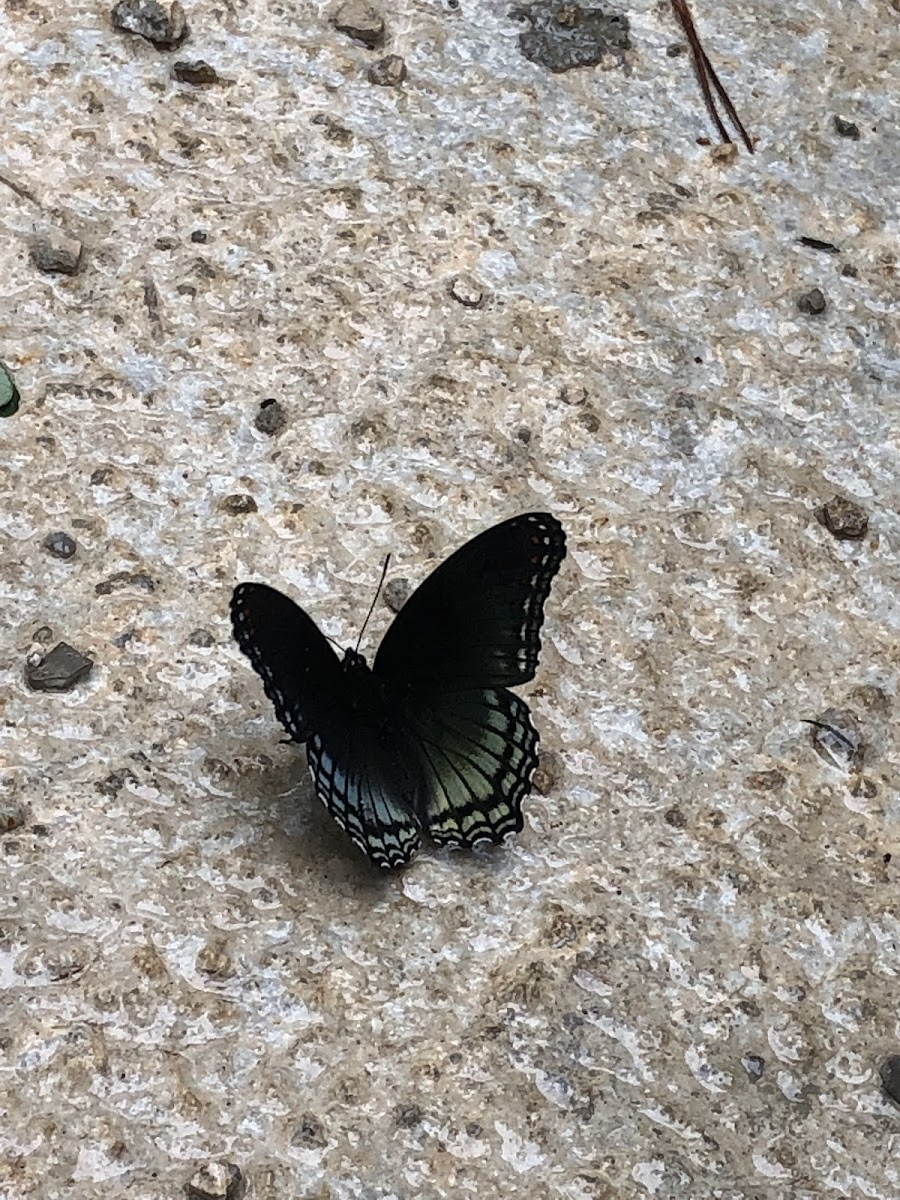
(428, 737)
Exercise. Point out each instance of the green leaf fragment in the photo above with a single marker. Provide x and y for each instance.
(9, 393)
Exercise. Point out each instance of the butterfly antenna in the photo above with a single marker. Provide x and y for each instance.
(384, 571)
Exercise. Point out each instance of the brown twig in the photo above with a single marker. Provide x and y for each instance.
(706, 74)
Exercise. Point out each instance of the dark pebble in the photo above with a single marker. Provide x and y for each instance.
(271, 418)
(55, 253)
(217, 1181)
(59, 670)
(12, 816)
(890, 1077)
(389, 71)
(812, 303)
(165, 27)
(200, 237)
(407, 1116)
(198, 74)
(564, 36)
(396, 593)
(201, 637)
(238, 504)
(846, 129)
(846, 520)
(60, 545)
(675, 817)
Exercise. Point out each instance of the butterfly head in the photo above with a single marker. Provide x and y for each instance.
(354, 661)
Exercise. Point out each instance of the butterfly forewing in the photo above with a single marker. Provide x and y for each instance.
(475, 622)
(300, 671)
(480, 751)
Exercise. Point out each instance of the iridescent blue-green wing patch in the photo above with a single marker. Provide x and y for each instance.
(480, 751)
(375, 805)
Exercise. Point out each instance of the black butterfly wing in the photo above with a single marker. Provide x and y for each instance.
(370, 791)
(479, 750)
(475, 622)
(362, 769)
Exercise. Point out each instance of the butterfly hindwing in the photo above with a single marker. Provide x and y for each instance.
(475, 622)
(480, 751)
(374, 805)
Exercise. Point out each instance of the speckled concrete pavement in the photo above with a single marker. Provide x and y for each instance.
(488, 289)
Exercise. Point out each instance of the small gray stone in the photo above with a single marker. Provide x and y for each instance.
(217, 1181)
(271, 418)
(389, 71)
(56, 253)
(843, 518)
(59, 670)
(466, 292)
(202, 638)
(396, 593)
(60, 544)
(362, 22)
(165, 27)
(198, 74)
(812, 303)
(564, 35)
(846, 129)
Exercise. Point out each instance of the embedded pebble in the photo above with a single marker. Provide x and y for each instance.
(55, 253)
(548, 772)
(202, 638)
(812, 303)
(12, 816)
(237, 504)
(165, 27)
(389, 71)
(271, 418)
(198, 74)
(754, 1066)
(564, 36)
(847, 129)
(362, 22)
(845, 519)
(60, 544)
(217, 1181)
(466, 291)
(58, 671)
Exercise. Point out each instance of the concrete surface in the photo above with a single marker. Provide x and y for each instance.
(489, 289)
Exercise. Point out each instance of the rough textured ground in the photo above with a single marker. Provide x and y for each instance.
(681, 978)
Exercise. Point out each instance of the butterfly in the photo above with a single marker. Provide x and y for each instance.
(429, 738)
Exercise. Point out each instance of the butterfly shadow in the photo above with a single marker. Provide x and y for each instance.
(304, 839)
